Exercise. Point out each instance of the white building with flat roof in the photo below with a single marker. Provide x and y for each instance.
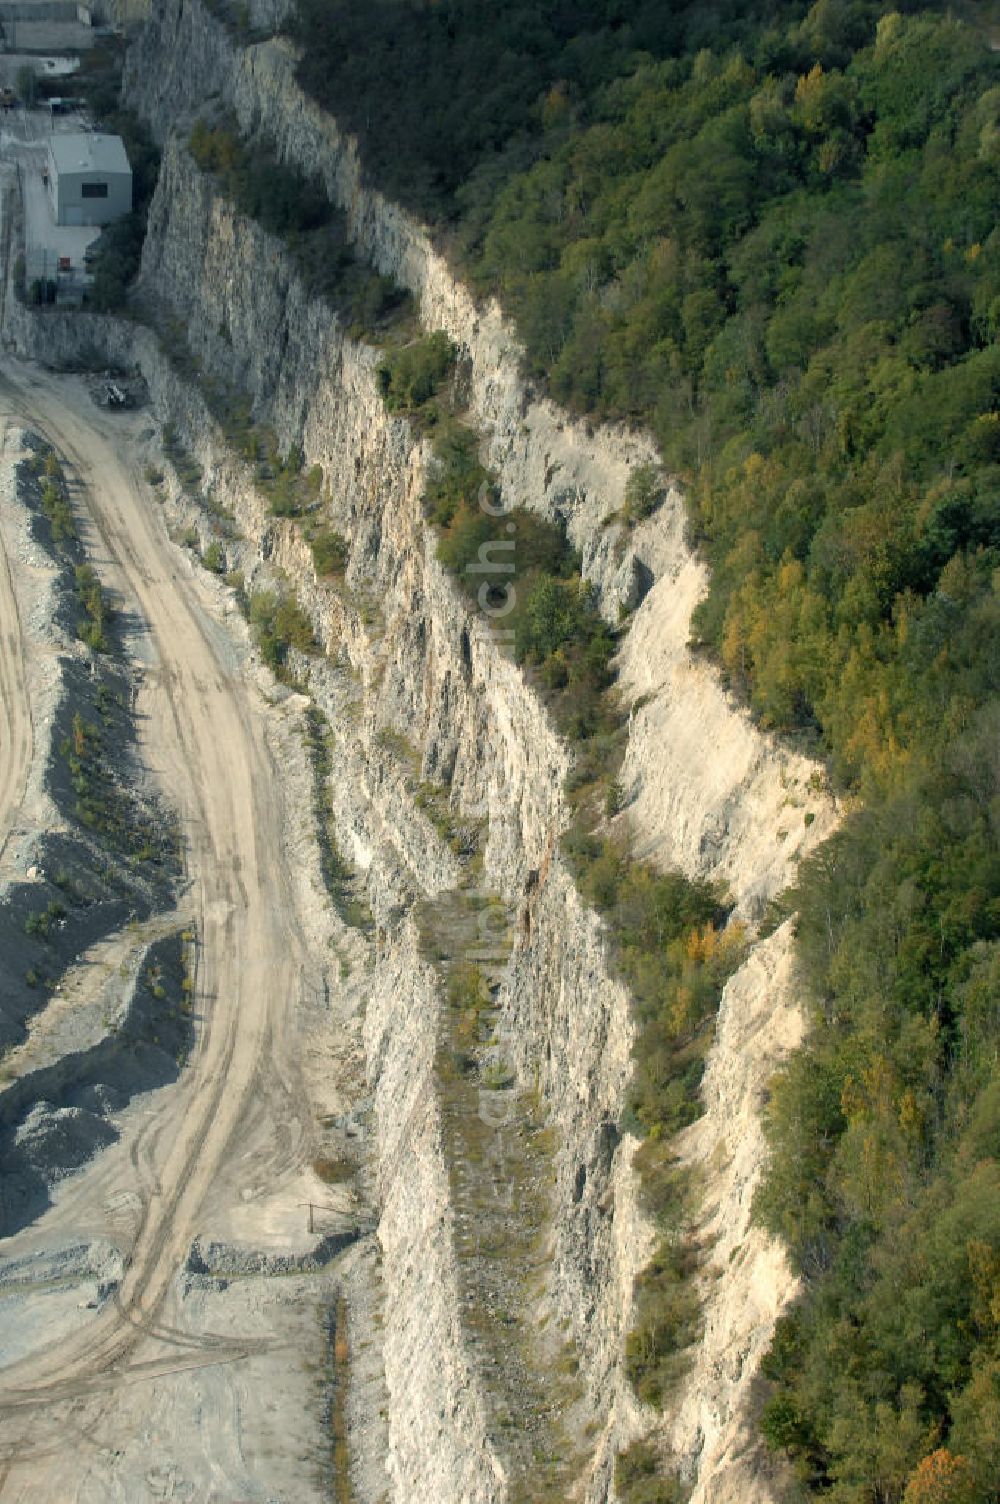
(90, 181)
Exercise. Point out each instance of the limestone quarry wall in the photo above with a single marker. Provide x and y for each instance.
(428, 672)
(707, 791)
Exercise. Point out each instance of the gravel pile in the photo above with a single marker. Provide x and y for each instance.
(98, 1260)
(54, 1141)
(227, 1261)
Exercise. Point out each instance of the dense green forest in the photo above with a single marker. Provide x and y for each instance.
(769, 232)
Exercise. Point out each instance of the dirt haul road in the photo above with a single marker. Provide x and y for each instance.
(204, 734)
(15, 709)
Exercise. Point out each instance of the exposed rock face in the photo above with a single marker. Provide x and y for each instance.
(440, 1446)
(708, 792)
(705, 780)
(747, 1280)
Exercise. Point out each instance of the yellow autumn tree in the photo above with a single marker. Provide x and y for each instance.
(941, 1479)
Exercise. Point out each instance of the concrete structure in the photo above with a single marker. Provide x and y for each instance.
(46, 25)
(46, 10)
(90, 180)
(53, 253)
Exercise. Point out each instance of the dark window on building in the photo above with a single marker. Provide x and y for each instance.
(93, 190)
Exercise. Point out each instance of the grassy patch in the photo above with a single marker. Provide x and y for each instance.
(282, 478)
(669, 939)
(639, 1478)
(335, 1171)
(340, 881)
(671, 942)
(41, 921)
(103, 806)
(499, 1152)
(645, 493)
(343, 1489)
(667, 1318)
(520, 570)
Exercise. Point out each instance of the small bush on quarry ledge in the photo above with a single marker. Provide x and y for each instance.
(279, 623)
(409, 377)
(644, 493)
(91, 597)
(638, 1479)
(329, 550)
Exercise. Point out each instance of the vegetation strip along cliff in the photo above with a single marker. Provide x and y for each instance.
(667, 934)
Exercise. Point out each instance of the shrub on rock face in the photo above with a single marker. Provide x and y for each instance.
(644, 492)
(410, 377)
(330, 551)
(279, 623)
(639, 1478)
(667, 1320)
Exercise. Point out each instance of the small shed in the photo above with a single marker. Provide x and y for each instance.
(90, 180)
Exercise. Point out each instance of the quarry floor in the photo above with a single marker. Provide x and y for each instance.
(125, 1375)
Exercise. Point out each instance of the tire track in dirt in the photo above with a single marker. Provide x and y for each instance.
(16, 732)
